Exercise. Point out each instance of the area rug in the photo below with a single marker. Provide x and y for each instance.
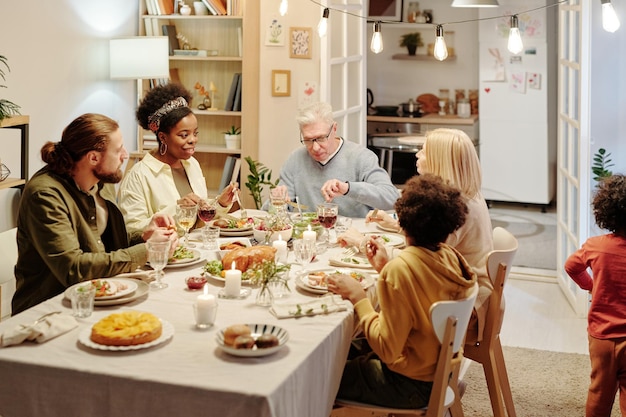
(536, 244)
(543, 383)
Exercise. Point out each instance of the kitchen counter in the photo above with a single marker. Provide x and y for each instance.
(428, 119)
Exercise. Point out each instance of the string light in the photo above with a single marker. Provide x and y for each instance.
(322, 26)
(377, 39)
(441, 50)
(515, 45)
(282, 9)
(610, 22)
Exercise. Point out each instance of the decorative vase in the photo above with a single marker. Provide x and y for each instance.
(233, 141)
(264, 297)
(412, 49)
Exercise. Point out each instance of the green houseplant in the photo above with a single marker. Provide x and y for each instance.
(259, 176)
(232, 137)
(7, 108)
(412, 41)
(601, 164)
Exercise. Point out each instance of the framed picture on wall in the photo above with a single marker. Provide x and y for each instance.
(300, 42)
(390, 10)
(281, 83)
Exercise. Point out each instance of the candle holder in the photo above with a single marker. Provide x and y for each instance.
(243, 293)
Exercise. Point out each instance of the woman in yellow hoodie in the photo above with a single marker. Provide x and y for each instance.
(394, 364)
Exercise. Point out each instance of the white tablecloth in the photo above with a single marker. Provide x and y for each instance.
(187, 376)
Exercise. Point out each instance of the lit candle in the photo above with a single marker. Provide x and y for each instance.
(309, 234)
(281, 249)
(205, 308)
(232, 287)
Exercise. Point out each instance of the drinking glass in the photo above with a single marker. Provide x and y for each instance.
(327, 215)
(342, 225)
(278, 197)
(186, 216)
(158, 254)
(303, 250)
(207, 209)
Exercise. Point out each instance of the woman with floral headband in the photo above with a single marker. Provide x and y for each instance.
(168, 175)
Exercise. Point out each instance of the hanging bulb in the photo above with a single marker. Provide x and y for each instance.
(377, 39)
(610, 22)
(322, 26)
(282, 9)
(441, 50)
(515, 45)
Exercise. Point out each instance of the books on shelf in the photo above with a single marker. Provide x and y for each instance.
(170, 32)
(237, 100)
(232, 166)
(216, 7)
(160, 7)
(190, 52)
(230, 100)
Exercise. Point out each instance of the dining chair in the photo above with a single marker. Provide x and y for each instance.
(449, 319)
(8, 259)
(488, 352)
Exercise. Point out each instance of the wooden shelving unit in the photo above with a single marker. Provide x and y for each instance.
(22, 123)
(407, 57)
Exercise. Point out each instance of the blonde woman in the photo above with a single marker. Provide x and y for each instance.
(450, 154)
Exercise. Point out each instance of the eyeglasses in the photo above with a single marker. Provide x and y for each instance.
(322, 139)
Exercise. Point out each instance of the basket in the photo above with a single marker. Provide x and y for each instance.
(4, 172)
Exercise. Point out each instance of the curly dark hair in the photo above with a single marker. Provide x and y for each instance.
(609, 204)
(429, 210)
(156, 98)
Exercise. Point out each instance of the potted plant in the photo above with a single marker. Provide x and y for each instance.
(233, 138)
(7, 108)
(412, 41)
(601, 165)
(259, 176)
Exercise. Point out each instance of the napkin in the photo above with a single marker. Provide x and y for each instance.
(322, 305)
(41, 331)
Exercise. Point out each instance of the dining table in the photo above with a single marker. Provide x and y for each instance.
(189, 374)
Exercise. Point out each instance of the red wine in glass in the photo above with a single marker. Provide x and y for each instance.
(327, 221)
(207, 214)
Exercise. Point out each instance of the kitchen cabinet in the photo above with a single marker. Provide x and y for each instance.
(231, 45)
(21, 123)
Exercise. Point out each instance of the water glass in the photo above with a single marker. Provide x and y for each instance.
(209, 237)
(83, 297)
(158, 255)
(304, 250)
(343, 224)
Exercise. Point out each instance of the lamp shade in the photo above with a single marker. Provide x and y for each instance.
(475, 3)
(139, 57)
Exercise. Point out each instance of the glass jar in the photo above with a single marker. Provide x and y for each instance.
(463, 108)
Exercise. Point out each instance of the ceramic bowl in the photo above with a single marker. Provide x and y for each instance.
(259, 235)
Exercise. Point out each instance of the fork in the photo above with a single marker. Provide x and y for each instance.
(350, 251)
(242, 211)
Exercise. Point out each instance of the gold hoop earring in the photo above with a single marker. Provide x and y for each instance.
(162, 148)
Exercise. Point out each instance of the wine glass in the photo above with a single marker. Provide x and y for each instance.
(186, 215)
(278, 197)
(207, 209)
(303, 250)
(158, 254)
(327, 215)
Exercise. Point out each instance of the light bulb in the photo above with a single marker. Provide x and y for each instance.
(610, 22)
(322, 26)
(441, 50)
(515, 45)
(377, 39)
(282, 9)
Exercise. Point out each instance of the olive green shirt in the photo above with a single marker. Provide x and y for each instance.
(58, 240)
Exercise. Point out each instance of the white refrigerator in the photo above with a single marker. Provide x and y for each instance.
(517, 104)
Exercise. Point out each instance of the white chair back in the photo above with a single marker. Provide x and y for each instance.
(504, 250)
(8, 259)
(461, 309)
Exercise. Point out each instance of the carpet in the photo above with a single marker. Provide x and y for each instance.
(543, 383)
(536, 244)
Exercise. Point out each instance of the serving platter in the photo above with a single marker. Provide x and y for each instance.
(168, 331)
(257, 330)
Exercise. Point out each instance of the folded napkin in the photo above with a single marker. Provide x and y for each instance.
(40, 331)
(322, 305)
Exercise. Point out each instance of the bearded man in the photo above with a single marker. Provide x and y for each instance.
(68, 229)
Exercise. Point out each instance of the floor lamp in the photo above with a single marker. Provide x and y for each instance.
(139, 58)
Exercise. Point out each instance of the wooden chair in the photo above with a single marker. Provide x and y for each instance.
(488, 352)
(450, 320)
(8, 259)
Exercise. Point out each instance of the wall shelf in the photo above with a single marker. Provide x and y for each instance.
(18, 122)
(407, 57)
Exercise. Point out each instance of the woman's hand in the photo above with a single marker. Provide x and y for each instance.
(376, 253)
(347, 287)
(351, 237)
(227, 196)
(382, 218)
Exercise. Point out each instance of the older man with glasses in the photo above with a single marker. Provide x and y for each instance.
(329, 168)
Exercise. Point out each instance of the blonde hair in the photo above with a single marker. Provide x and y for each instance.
(451, 154)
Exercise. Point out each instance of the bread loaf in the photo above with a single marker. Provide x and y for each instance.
(233, 332)
(246, 258)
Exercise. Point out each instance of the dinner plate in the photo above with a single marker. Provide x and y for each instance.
(257, 330)
(236, 232)
(387, 229)
(85, 338)
(128, 287)
(389, 239)
(302, 279)
(350, 262)
(141, 288)
(194, 261)
(224, 231)
(305, 287)
(196, 256)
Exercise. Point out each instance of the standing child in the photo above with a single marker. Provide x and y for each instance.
(605, 255)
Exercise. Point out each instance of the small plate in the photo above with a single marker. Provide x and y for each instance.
(195, 261)
(389, 239)
(387, 229)
(248, 227)
(129, 287)
(85, 338)
(196, 256)
(350, 262)
(257, 330)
